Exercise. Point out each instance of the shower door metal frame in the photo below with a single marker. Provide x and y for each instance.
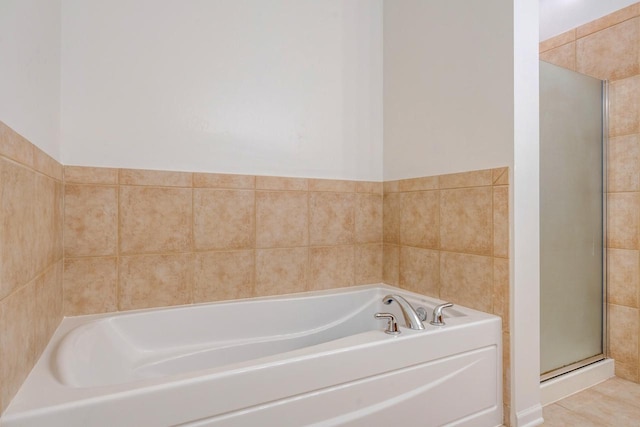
(605, 215)
(605, 190)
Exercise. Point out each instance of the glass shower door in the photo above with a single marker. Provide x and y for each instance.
(571, 219)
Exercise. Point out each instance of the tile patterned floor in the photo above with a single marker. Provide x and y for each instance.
(614, 403)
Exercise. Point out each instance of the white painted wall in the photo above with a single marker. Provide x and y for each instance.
(525, 221)
(284, 87)
(448, 86)
(30, 70)
(558, 16)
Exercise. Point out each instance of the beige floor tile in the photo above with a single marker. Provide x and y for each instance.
(558, 416)
(613, 403)
(620, 389)
(601, 409)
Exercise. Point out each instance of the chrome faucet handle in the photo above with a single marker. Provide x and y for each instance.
(438, 318)
(422, 313)
(392, 325)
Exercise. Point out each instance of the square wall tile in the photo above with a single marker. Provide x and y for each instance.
(368, 263)
(155, 281)
(281, 271)
(623, 163)
(622, 220)
(17, 212)
(90, 220)
(58, 222)
(49, 305)
(467, 280)
(47, 221)
(331, 267)
(623, 333)
(501, 221)
(154, 219)
(466, 220)
(391, 265)
(624, 106)
(224, 219)
(626, 371)
(282, 219)
(331, 218)
(391, 218)
(224, 275)
(90, 285)
(17, 340)
(624, 277)
(420, 219)
(368, 218)
(501, 291)
(506, 369)
(420, 270)
(610, 54)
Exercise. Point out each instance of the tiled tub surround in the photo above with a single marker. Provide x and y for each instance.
(31, 264)
(137, 239)
(448, 237)
(609, 48)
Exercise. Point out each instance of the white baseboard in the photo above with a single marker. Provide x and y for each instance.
(530, 417)
(575, 381)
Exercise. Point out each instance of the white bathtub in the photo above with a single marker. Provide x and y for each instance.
(317, 358)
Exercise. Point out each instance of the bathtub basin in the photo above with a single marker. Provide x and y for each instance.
(318, 358)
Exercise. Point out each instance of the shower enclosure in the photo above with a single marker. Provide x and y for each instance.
(572, 215)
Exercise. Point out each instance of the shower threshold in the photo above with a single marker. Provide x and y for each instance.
(582, 375)
(569, 368)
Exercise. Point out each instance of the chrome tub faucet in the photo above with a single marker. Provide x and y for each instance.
(410, 316)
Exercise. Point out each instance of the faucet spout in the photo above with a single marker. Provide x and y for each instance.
(410, 316)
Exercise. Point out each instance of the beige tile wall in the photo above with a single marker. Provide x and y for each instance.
(609, 48)
(31, 206)
(137, 239)
(448, 236)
